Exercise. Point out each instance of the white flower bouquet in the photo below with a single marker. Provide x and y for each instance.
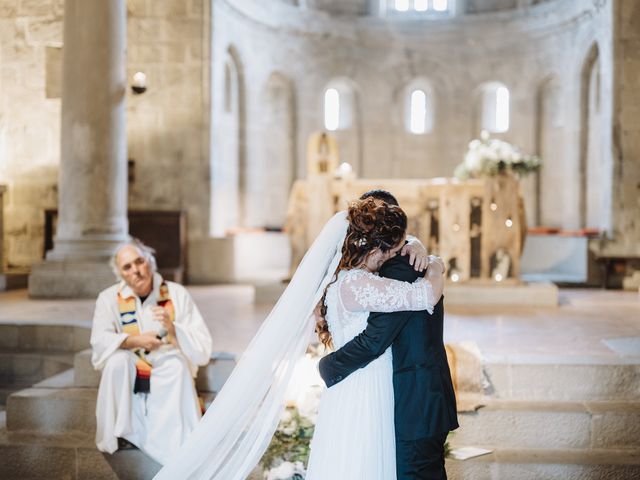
(488, 156)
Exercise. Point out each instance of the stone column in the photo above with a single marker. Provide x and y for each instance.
(2, 277)
(92, 200)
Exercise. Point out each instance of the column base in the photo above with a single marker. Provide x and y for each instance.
(69, 279)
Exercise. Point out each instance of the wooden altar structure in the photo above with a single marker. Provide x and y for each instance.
(477, 226)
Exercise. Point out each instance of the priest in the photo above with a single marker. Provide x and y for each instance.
(148, 339)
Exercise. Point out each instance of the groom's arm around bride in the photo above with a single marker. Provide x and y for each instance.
(425, 406)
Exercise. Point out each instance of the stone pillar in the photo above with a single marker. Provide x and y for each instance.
(2, 278)
(92, 200)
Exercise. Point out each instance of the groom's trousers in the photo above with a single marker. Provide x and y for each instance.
(421, 459)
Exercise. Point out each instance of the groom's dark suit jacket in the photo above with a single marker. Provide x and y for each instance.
(425, 403)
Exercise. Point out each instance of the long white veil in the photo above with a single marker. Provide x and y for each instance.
(237, 428)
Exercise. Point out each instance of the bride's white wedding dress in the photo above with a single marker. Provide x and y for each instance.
(354, 437)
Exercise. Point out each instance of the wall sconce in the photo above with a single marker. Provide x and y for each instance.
(139, 84)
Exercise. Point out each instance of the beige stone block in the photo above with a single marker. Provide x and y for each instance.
(17, 51)
(616, 429)
(173, 75)
(9, 76)
(8, 8)
(184, 29)
(193, 78)
(145, 30)
(195, 50)
(28, 461)
(138, 8)
(8, 336)
(630, 15)
(196, 8)
(44, 31)
(174, 53)
(144, 53)
(35, 8)
(169, 8)
(53, 68)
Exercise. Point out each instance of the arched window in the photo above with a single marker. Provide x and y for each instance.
(495, 108)
(401, 5)
(418, 107)
(331, 109)
(418, 112)
(339, 105)
(417, 6)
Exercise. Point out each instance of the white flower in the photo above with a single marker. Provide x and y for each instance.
(287, 416)
(285, 471)
(484, 135)
(290, 429)
(473, 144)
(473, 161)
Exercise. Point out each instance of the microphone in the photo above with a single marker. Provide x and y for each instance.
(163, 332)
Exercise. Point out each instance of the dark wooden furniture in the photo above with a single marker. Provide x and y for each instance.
(163, 230)
(614, 265)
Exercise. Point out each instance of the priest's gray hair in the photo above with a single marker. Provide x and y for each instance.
(146, 252)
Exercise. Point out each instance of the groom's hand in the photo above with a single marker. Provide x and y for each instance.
(417, 253)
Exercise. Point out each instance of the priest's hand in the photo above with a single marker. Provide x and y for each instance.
(161, 315)
(148, 341)
(417, 253)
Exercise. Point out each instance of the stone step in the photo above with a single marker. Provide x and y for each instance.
(210, 378)
(25, 369)
(546, 464)
(29, 456)
(52, 410)
(563, 379)
(56, 406)
(561, 425)
(43, 338)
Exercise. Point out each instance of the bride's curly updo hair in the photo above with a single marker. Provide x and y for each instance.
(373, 224)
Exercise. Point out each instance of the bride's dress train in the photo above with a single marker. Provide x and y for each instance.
(354, 437)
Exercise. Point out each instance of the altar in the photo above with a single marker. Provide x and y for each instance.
(477, 226)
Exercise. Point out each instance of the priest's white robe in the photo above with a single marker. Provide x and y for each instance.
(160, 421)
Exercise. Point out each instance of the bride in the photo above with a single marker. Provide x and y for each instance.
(354, 436)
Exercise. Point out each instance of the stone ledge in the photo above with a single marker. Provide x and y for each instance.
(529, 424)
(52, 410)
(21, 337)
(210, 378)
(563, 382)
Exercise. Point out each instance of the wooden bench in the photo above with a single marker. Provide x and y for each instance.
(163, 230)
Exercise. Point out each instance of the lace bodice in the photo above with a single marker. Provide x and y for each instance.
(357, 292)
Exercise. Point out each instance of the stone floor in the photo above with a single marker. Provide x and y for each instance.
(561, 396)
(589, 325)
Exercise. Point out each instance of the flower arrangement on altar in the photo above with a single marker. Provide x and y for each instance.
(488, 156)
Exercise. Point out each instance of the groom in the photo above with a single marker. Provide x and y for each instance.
(425, 403)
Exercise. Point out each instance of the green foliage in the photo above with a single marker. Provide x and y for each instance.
(291, 442)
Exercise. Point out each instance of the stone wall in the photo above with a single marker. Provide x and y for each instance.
(30, 39)
(168, 126)
(526, 48)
